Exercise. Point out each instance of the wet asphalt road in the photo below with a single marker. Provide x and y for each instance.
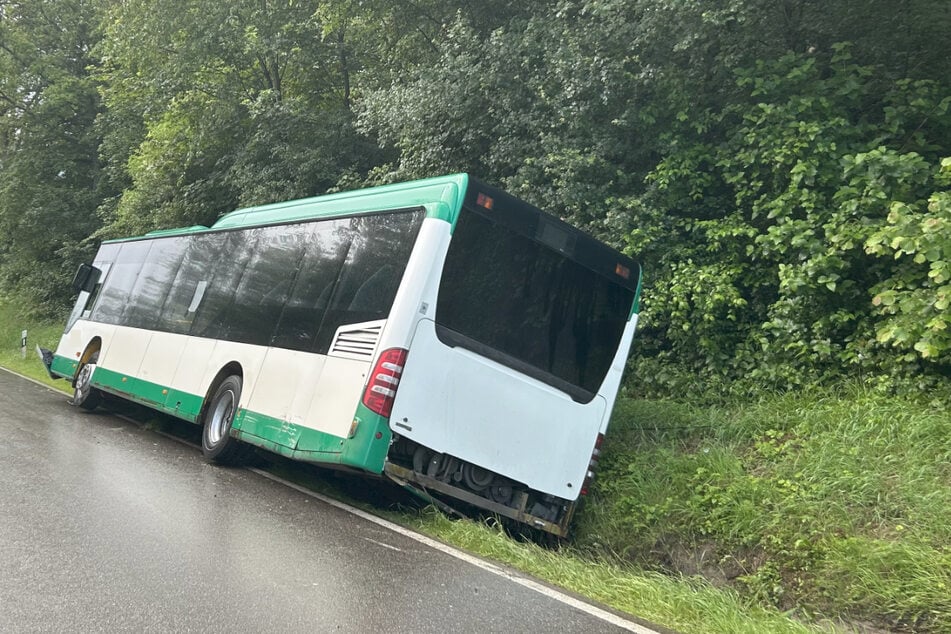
(105, 526)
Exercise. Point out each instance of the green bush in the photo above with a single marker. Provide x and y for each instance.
(800, 232)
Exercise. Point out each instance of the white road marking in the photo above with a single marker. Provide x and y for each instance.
(542, 589)
(373, 541)
(34, 381)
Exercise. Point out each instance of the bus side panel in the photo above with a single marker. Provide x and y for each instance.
(336, 395)
(283, 393)
(125, 352)
(250, 358)
(187, 390)
(157, 372)
(162, 358)
(612, 382)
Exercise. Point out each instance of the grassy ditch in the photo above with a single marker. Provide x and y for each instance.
(729, 519)
(685, 604)
(834, 504)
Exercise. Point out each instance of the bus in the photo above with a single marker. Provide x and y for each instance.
(440, 333)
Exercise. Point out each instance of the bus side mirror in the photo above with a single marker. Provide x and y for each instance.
(86, 278)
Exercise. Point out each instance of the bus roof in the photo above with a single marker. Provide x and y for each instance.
(449, 190)
(444, 196)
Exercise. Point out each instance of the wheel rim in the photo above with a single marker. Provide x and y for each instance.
(221, 418)
(82, 382)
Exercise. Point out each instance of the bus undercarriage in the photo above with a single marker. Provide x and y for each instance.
(435, 475)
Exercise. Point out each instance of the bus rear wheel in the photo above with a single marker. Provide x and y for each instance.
(84, 394)
(217, 444)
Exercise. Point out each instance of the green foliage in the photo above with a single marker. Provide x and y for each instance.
(835, 504)
(915, 300)
(767, 264)
(249, 105)
(49, 176)
(542, 106)
(748, 178)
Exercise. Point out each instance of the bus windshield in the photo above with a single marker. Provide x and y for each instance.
(521, 301)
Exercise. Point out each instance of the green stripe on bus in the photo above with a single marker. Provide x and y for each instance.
(183, 405)
(364, 451)
(440, 211)
(445, 191)
(270, 429)
(175, 402)
(636, 306)
(64, 366)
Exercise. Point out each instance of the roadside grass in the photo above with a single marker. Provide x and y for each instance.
(12, 322)
(834, 504)
(724, 519)
(688, 605)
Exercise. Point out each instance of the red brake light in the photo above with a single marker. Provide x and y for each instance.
(385, 378)
(592, 464)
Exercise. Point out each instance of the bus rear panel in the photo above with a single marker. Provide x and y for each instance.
(509, 382)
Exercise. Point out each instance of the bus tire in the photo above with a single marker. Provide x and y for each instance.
(217, 444)
(84, 394)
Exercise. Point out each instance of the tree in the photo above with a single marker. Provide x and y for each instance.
(50, 178)
(238, 104)
(723, 144)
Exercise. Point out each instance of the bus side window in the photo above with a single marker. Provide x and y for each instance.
(214, 312)
(372, 271)
(203, 250)
(117, 286)
(325, 248)
(91, 299)
(86, 302)
(263, 291)
(154, 282)
(373, 293)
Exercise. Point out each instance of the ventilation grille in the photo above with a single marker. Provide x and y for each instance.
(356, 341)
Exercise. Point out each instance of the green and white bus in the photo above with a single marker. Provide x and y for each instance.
(440, 333)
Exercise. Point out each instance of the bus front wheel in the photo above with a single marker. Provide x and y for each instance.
(84, 394)
(217, 444)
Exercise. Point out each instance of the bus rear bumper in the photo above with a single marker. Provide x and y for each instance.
(422, 484)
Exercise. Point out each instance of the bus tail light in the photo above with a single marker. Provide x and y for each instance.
(385, 378)
(592, 464)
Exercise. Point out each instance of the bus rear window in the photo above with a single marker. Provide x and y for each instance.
(508, 297)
